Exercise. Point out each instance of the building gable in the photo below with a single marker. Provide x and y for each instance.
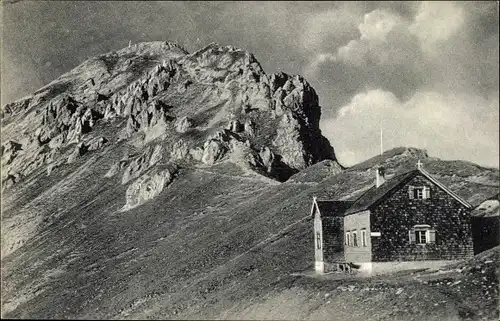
(444, 188)
(314, 208)
(375, 195)
(420, 228)
(423, 183)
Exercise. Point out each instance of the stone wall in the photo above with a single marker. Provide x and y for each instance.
(332, 238)
(396, 214)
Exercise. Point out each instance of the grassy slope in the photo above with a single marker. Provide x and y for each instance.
(217, 243)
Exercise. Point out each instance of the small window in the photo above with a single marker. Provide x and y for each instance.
(419, 192)
(421, 237)
(347, 238)
(354, 238)
(422, 234)
(363, 237)
(318, 240)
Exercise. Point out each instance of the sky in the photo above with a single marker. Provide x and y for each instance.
(425, 72)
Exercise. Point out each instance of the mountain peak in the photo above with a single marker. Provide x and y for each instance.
(201, 108)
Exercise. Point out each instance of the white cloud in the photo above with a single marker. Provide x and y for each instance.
(443, 124)
(436, 22)
(383, 40)
(432, 69)
(323, 31)
(377, 25)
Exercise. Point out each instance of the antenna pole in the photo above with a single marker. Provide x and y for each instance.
(381, 142)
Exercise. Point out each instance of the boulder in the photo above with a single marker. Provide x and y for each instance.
(96, 143)
(249, 128)
(213, 150)
(183, 125)
(139, 165)
(234, 126)
(146, 187)
(180, 150)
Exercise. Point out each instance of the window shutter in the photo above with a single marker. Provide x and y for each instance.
(410, 192)
(432, 236)
(411, 235)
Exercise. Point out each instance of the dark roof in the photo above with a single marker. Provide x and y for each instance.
(373, 194)
(332, 208)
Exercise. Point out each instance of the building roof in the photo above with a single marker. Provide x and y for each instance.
(329, 208)
(375, 194)
(372, 195)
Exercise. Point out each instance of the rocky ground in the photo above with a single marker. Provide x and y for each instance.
(465, 291)
(154, 183)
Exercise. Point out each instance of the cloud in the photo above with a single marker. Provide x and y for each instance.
(429, 77)
(327, 30)
(441, 123)
(436, 22)
(401, 51)
(378, 24)
(384, 40)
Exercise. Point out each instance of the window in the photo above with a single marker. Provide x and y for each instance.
(420, 237)
(422, 234)
(318, 240)
(419, 192)
(347, 238)
(354, 238)
(363, 237)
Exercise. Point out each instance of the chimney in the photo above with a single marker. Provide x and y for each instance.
(380, 176)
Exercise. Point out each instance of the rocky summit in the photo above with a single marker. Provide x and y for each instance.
(214, 105)
(155, 183)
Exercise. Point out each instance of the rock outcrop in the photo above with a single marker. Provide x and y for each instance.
(202, 108)
(147, 187)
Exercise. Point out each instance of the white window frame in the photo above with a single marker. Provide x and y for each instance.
(363, 238)
(318, 240)
(419, 232)
(348, 238)
(419, 192)
(355, 239)
(421, 237)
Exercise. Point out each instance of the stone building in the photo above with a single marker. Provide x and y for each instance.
(409, 221)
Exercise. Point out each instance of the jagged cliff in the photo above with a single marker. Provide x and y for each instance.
(205, 107)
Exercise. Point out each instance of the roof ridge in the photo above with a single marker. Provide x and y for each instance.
(402, 177)
(392, 178)
(444, 187)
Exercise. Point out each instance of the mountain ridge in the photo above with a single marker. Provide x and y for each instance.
(231, 102)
